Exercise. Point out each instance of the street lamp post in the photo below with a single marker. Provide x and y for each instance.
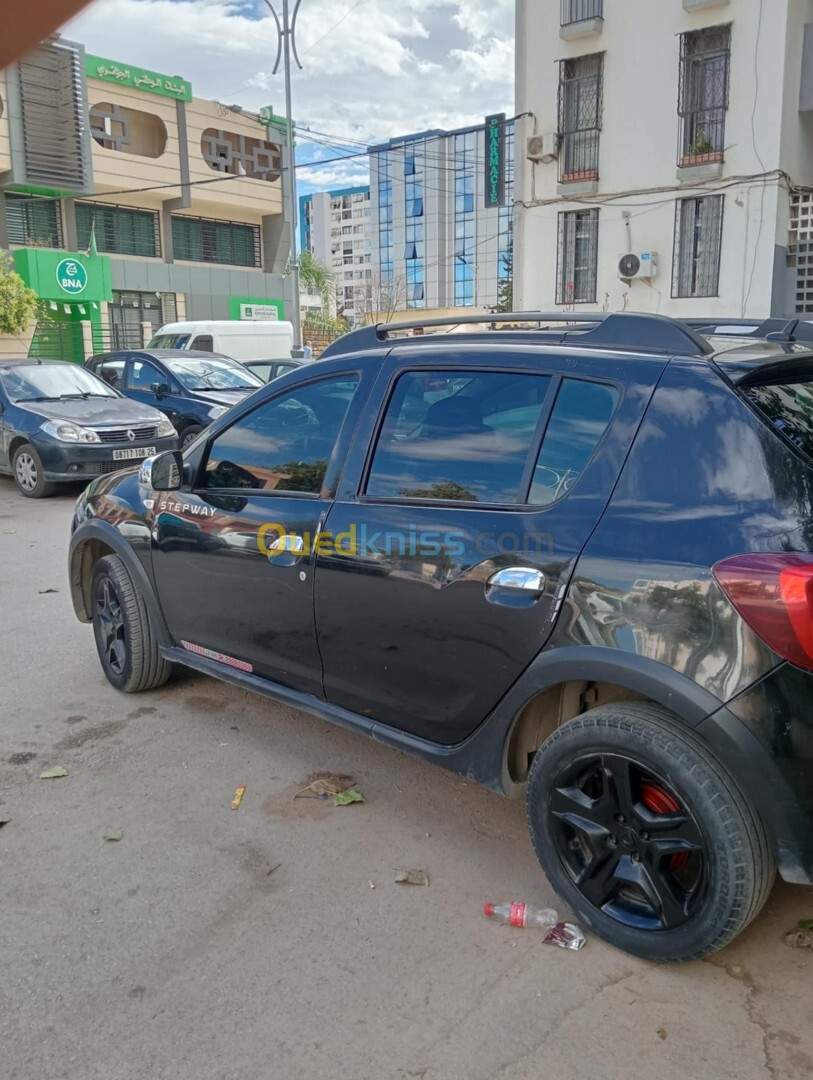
(286, 45)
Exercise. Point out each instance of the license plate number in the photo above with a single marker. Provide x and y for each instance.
(133, 453)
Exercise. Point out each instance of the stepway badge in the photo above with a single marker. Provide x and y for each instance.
(71, 276)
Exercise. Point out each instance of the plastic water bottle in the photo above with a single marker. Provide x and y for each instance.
(522, 915)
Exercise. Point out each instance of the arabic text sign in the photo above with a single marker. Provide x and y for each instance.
(96, 67)
(495, 160)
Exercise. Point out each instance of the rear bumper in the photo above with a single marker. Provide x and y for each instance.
(71, 461)
(765, 737)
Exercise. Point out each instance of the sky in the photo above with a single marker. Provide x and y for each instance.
(372, 69)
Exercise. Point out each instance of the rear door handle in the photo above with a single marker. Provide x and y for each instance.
(515, 587)
(521, 578)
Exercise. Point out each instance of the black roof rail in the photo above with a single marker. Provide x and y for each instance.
(611, 330)
(788, 331)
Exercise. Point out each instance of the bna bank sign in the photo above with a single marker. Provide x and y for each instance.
(71, 276)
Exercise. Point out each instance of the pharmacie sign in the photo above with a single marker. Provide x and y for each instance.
(71, 276)
(495, 160)
(96, 67)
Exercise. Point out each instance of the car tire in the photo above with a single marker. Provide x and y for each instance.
(189, 434)
(645, 834)
(29, 475)
(124, 636)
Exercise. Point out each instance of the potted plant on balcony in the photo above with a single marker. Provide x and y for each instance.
(701, 151)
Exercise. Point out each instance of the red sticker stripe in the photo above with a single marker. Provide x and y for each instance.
(221, 658)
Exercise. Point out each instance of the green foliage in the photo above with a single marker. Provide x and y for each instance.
(505, 288)
(18, 303)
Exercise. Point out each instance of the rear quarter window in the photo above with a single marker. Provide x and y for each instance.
(788, 408)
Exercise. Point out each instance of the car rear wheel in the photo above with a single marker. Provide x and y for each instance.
(29, 475)
(645, 834)
(190, 434)
(121, 625)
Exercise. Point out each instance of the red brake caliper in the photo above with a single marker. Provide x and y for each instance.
(659, 801)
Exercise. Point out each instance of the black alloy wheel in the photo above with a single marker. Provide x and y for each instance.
(629, 844)
(111, 635)
(125, 639)
(645, 834)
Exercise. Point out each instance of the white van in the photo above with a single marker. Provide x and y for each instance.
(242, 340)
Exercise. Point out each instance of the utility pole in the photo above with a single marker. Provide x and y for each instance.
(286, 45)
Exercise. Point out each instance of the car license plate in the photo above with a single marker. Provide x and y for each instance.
(133, 453)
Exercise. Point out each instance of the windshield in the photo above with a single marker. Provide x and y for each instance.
(51, 382)
(789, 407)
(169, 341)
(212, 373)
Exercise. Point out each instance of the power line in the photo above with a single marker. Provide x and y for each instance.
(333, 27)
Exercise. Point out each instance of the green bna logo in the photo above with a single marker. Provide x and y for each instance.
(71, 276)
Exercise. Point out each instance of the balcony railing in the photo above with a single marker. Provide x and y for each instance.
(576, 11)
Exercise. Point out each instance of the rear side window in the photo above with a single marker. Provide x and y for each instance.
(458, 436)
(112, 371)
(581, 415)
(789, 408)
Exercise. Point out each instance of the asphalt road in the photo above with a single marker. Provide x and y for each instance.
(177, 954)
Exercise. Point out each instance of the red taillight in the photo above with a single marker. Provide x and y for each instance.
(774, 595)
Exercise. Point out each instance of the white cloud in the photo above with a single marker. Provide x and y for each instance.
(386, 68)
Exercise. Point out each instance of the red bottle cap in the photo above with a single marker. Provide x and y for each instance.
(488, 909)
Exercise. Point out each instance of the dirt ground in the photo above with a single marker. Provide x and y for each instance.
(180, 953)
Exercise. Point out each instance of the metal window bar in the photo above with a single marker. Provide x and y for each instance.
(209, 240)
(33, 222)
(703, 95)
(576, 11)
(580, 107)
(577, 263)
(698, 245)
(120, 230)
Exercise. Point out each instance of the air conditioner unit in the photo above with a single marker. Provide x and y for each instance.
(543, 148)
(638, 266)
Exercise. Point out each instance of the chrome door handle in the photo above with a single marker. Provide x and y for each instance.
(288, 542)
(521, 578)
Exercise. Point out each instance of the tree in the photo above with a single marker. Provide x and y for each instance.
(316, 277)
(505, 288)
(18, 303)
(383, 295)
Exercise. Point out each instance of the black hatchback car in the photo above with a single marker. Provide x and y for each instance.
(58, 423)
(192, 388)
(573, 564)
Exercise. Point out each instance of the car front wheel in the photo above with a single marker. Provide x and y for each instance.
(121, 625)
(645, 834)
(190, 434)
(29, 475)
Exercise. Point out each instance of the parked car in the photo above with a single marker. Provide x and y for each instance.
(575, 565)
(192, 388)
(243, 339)
(268, 370)
(59, 422)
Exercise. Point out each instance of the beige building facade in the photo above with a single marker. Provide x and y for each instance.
(165, 205)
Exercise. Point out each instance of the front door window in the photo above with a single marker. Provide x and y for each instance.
(285, 444)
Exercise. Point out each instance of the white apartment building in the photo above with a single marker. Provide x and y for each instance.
(335, 227)
(442, 216)
(665, 162)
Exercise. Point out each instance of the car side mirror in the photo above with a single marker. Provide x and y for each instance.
(164, 472)
(160, 389)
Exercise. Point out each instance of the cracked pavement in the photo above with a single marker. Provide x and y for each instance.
(175, 955)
